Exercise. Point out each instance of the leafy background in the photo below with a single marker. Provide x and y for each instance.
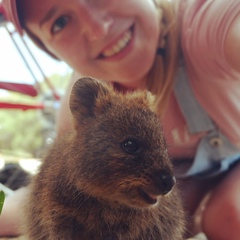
(24, 133)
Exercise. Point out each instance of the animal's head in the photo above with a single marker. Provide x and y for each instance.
(120, 151)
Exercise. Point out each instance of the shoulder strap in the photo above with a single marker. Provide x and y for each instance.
(195, 116)
(215, 153)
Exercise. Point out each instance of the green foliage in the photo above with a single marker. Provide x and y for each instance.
(21, 131)
(2, 198)
(24, 132)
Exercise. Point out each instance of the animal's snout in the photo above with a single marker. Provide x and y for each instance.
(166, 182)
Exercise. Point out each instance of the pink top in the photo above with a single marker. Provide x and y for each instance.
(215, 84)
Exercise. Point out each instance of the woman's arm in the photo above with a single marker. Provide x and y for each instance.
(64, 116)
(12, 215)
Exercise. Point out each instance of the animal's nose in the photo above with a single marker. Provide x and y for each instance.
(166, 182)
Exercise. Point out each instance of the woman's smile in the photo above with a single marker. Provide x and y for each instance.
(116, 48)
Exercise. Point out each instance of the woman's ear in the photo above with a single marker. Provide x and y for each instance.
(84, 95)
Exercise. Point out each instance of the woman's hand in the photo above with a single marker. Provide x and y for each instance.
(10, 219)
(200, 236)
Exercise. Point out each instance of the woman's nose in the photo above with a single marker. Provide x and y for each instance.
(95, 23)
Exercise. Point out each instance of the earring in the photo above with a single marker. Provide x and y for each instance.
(161, 51)
(162, 39)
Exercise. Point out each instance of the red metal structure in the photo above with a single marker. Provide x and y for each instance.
(26, 89)
(12, 173)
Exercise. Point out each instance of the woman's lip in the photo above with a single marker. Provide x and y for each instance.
(114, 43)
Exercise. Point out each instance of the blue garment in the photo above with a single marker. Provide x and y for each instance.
(215, 153)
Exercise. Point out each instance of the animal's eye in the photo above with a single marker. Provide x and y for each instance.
(131, 146)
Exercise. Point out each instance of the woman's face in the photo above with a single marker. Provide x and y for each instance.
(113, 40)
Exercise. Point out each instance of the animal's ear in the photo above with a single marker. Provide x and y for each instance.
(151, 99)
(84, 95)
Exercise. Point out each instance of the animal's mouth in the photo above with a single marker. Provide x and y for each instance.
(148, 197)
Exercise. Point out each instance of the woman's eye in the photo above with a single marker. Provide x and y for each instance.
(131, 146)
(59, 24)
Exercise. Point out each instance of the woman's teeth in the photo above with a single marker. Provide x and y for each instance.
(116, 48)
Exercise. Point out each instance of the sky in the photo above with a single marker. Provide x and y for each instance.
(12, 66)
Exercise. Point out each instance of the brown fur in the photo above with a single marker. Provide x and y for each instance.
(100, 182)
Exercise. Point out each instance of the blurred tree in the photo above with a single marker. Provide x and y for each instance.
(21, 131)
(26, 132)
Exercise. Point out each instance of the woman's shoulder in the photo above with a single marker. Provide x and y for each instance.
(191, 8)
(204, 30)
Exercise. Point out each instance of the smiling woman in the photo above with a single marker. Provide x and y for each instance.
(55, 23)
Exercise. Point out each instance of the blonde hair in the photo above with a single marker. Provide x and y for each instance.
(160, 79)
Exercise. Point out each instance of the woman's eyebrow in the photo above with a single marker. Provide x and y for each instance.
(48, 16)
